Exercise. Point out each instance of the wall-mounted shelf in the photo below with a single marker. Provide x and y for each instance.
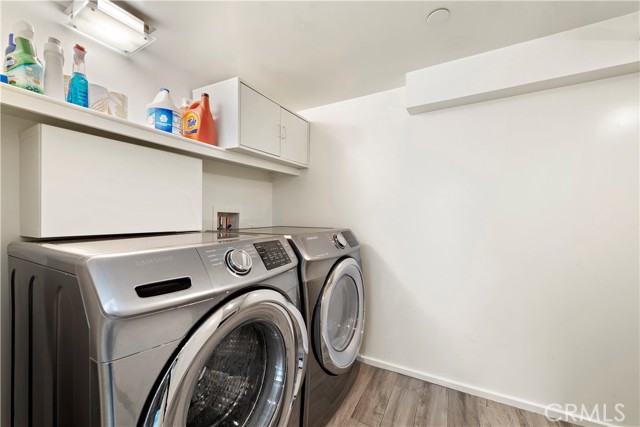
(42, 109)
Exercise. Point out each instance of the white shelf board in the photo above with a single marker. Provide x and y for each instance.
(42, 109)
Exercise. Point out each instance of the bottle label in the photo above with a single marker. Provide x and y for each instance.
(160, 118)
(78, 93)
(10, 62)
(26, 76)
(190, 123)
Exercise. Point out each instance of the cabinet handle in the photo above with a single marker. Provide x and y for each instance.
(284, 133)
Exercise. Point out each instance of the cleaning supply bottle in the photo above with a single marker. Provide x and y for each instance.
(78, 85)
(184, 107)
(22, 67)
(11, 47)
(162, 113)
(198, 122)
(53, 74)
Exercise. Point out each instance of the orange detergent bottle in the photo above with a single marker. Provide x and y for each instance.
(198, 123)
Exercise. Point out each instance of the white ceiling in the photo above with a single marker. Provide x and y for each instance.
(305, 54)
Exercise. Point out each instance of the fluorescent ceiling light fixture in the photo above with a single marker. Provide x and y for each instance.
(110, 25)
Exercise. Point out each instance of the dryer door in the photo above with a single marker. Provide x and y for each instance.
(242, 367)
(339, 317)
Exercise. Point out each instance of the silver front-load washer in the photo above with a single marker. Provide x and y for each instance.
(184, 329)
(333, 305)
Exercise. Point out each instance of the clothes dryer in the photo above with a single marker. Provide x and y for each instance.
(184, 329)
(333, 305)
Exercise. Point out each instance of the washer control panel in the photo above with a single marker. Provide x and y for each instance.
(272, 253)
(232, 263)
(339, 241)
(238, 261)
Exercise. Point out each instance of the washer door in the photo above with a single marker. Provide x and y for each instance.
(339, 317)
(242, 367)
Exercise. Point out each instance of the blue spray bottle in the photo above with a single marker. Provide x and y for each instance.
(78, 85)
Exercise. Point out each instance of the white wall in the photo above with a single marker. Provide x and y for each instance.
(500, 240)
(230, 188)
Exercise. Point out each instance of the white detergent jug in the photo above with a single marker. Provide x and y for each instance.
(53, 75)
(162, 113)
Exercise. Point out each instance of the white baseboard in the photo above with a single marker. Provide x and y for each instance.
(481, 392)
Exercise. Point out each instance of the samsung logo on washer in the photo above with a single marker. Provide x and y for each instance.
(150, 261)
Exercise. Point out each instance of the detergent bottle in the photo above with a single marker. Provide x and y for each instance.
(22, 67)
(53, 64)
(162, 113)
(78, 85)
(11, 47)
(198, 123)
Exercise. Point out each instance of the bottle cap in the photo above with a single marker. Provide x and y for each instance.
(80, 51)
(53, 45)
(164, 88)
(205, 94)
(23, 29)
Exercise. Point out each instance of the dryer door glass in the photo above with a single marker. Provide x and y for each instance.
(339, 317)
(243, 366)
(343, 313)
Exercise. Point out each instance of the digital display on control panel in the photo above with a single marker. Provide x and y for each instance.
(273, 254)
(350, 238)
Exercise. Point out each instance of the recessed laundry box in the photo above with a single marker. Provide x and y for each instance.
(75, 184)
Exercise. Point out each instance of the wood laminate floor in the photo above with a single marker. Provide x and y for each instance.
(381, 398)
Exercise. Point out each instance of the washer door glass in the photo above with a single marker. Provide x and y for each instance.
(242, 381)
(242, 366)
(343, 313)
(339, 317)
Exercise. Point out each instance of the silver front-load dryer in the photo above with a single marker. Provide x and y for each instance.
(333, 302)
(185, 329)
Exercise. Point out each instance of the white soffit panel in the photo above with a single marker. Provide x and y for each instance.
(605, 49)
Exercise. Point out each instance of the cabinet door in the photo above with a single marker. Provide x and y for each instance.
(295, 138)
(259, 122)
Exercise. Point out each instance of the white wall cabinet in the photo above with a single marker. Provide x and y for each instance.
(249, 122)
(75, 184)
(259, 122)
(294, 144)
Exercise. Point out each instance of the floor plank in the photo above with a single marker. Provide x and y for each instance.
(373, 402)
(492, 413)
(342, 416)
(401, 409)
(531, 419)
(463, 409)
(432, 406)
(352, 423)
(409, 383)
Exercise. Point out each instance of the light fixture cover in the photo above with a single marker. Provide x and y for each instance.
(108, 24)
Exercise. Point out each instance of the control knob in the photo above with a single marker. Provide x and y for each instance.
(238, 261)
(339, 241)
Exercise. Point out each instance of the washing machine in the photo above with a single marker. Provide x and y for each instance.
(333, 305)
(186, 329)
